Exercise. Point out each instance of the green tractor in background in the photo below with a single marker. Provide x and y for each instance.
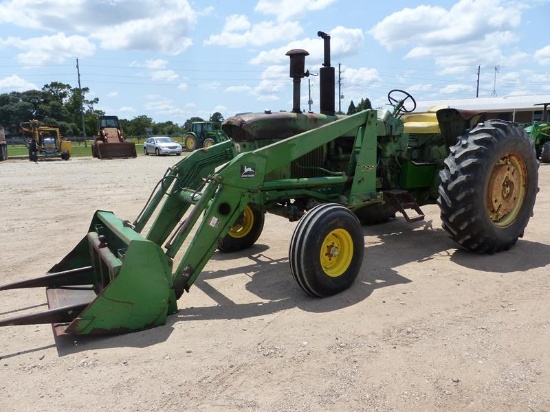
(329, 173)
(540, 134)
(203, 134)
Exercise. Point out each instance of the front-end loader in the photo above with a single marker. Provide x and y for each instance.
(110, 142)
(328, 172)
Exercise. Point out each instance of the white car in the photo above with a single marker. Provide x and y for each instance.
(161, 145)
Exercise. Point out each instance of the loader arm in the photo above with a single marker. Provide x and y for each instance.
(239, 183)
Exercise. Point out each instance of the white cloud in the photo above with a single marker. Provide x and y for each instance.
(164, 106)
(343, 42)
(456, 88)
(166, 75)
(53, 49)
(238, 89)
(156, 64)
(239, 32)
(126, 110)
(16, 84)
(471, 32)
(466, 21)
(148, 25)
(286, 9)
(542, 56)
(420, 88)
(112, 94)
(183, 86)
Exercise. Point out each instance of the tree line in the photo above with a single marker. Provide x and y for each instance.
(61, 105)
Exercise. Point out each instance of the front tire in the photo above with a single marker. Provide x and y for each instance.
(326, 250)
(245, 232)
(488, 187)
(157, 152)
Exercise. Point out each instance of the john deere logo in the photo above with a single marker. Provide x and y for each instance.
(247, 172)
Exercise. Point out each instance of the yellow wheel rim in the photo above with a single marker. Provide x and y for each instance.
(244, 225)
(507, 189)
(208, 143)
(336, 252)
(190, 143)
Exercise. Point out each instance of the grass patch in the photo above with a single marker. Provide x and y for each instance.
(78, 149)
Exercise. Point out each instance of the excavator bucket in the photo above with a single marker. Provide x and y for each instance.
(114, 281)
(114, 150)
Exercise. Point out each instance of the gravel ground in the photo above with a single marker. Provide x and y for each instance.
(426, 327)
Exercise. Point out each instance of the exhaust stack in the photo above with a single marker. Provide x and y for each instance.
(327, 79)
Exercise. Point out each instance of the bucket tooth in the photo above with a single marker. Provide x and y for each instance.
(63, 314)
(77, 276)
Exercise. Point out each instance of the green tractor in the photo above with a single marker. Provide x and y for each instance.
(203, 134)
(330, 173)
(540, 134)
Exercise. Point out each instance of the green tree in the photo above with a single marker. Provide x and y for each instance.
(168, 128)
(364, 104)
(187, 124)
(138, 126)
(217, 119)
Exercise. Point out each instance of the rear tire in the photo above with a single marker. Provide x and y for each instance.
(488, 187)
(145, 152)
(326, 250)
(245, 232)
(190, 142)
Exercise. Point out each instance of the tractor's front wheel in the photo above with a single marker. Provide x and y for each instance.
(488, 187)
(245, 232)
(209, 142)
(326, 250)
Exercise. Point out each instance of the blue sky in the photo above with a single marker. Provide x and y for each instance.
(175, 59)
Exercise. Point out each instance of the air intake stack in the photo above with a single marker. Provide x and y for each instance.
(297, 67)
(327, 79)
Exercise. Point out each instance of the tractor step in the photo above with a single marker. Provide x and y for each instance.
(402, 200)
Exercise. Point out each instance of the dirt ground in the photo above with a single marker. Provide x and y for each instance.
(426, 326)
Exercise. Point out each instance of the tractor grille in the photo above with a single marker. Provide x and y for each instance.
(310, 164)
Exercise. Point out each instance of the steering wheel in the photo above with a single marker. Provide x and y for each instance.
(399, 101)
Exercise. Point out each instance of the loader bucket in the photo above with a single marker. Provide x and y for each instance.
(114, 150)
(114, 281)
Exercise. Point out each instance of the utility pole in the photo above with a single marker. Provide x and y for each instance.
(310, 101)
(494, 94)
(477, 88)
(81, 104)
(339, 89)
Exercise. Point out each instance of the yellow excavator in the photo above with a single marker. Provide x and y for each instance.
(110, 142)
(45, 141)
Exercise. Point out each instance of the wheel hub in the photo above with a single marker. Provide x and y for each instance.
(506, 190)
(336, 252)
